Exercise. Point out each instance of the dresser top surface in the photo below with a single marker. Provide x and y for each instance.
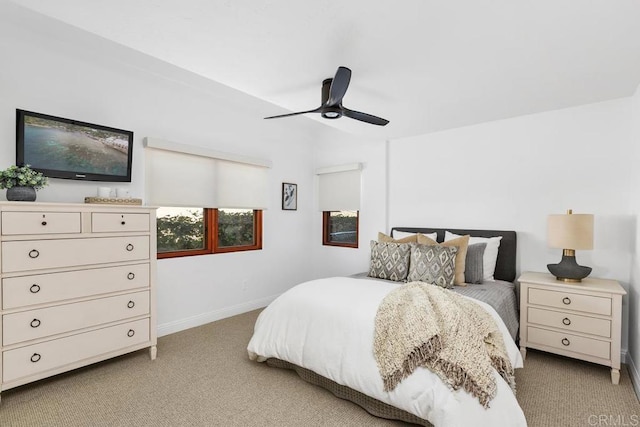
(587, 284)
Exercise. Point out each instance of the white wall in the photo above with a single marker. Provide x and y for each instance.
(54, 69)
(633, 297)
(511, 174)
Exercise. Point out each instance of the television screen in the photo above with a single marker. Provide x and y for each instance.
(63, 148)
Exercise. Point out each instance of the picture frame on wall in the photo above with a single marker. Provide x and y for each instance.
(289, 196)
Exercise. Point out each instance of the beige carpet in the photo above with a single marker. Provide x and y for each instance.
(202, 377)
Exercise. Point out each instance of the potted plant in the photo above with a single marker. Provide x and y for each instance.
(22, 182)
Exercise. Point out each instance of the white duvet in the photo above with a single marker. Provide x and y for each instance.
(327, 326)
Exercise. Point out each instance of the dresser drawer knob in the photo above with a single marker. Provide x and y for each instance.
(131, 276)
(565, 342)
(44, 223)
(122, 222)
(33, 253)
(35, 357)
(566, 300)
(131, 304)
(566, 321)
(129, 247)
(35, 323)
(34, 289)
(131, 333)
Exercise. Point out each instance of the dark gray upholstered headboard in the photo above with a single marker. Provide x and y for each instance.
(506, 263)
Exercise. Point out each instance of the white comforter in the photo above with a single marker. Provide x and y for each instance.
(327, 326)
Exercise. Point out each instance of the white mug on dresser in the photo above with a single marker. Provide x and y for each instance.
(104, 192)
(122, 193)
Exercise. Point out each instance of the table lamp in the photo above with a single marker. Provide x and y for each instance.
(570, 232)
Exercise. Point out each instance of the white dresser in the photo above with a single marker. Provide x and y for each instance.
(78, 286)
(580, 320)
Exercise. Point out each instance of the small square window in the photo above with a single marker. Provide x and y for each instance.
(340, 228)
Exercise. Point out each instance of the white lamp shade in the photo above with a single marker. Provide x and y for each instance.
(570, 231)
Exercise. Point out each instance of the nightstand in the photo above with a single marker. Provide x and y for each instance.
(580, 320)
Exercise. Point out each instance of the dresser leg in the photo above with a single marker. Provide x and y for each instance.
(615, 376)
(153, 352)
(523, 352)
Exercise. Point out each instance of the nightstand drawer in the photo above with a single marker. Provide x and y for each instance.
(14, 223)
(570, 322)
(570, 301)
(116, 222)
(33, 359)
(568, 342)
(34, 324)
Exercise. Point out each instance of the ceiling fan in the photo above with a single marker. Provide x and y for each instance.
(333, 91)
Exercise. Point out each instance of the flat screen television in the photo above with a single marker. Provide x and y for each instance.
(69, 149)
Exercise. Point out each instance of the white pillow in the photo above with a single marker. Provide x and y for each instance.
(402, 234)
(490, 252)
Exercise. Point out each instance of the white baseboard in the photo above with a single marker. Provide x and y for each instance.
(212, 316)
(633, 374)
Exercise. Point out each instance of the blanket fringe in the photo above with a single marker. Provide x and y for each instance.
(424, 353)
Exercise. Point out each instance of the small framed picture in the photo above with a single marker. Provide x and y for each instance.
(289, 196)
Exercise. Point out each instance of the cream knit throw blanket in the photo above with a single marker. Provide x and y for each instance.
(420, 324)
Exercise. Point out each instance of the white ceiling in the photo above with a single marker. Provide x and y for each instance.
(425, 65)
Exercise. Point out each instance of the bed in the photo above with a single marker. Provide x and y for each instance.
(323, 329)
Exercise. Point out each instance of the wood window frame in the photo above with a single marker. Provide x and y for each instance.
(210, 219)
(326, 232)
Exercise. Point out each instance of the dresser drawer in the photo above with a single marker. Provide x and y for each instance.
(570, 322)
(115, 222)
(570, 301)
(31, 255)
(45, 288)
(14, 223)
(568, 342)
(34, 324)
(37, 358)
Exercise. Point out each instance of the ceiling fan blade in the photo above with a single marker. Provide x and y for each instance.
(339, 86)
(364, 117)
(317, 110)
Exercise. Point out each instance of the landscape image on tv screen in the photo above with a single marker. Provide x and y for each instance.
(56, 145)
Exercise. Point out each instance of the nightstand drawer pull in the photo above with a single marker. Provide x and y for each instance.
(129, 247)
(566, 321)
(33, 253)
(566, 300)
(35, 357)
(44, 223)
(565, 342)
(131, 333)
(131, 276)
(35, 323)
(131, 304)
(34, 289)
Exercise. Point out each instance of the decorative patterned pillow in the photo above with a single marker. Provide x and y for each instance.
(474, 271)
(461, 243)
(434, 264)
(389, 260)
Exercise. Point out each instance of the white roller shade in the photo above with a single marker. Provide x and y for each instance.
(176, 179)
(183, 175)
(339, 188)
(241, 186)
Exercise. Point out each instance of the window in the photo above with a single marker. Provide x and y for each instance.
(198, 231)
(340, 228)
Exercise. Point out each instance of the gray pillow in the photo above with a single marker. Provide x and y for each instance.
(389, 260)
(434, 264)
(474, 271)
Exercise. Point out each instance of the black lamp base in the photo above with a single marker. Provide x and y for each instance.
(568, 270)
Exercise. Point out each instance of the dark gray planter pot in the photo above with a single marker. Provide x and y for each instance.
(21, 194)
